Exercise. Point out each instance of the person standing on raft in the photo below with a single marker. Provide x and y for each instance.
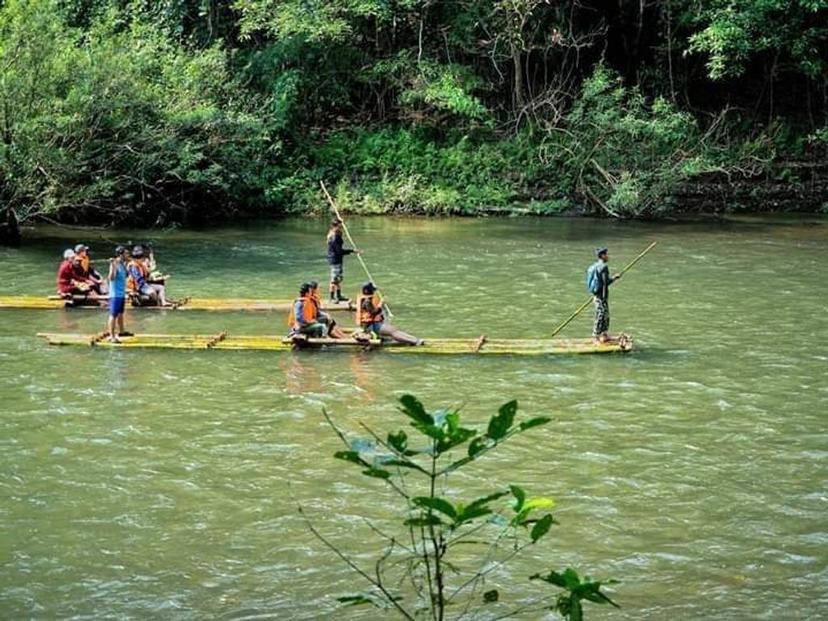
(336, 255)
(370, 317)
(117, 294)
(598, 281)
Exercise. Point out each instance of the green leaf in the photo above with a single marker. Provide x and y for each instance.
(571, 578)
(455, 437)
(486, 499)
(377, 473)
(534, 422)
(469, 513)
(520, 497)
(500, 423)
(477, 445)
(553, 577)
(398, 441)
(351, 456)
(538, 502)
(412, 408)
(453, 421)
(541, 527)
(491, 596)
(403, 463)
(432, 431)
(436, 504)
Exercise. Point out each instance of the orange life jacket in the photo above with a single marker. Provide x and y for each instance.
(310, 312)
(363, 316)
(130, 283)
(86, 263)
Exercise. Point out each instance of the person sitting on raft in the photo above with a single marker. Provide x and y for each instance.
(137, 282)
(370, 317)
(304, 315)
(154, 276)
(333, 330)
(71, 280)
(91, 275)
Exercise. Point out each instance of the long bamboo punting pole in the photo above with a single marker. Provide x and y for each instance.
(351, 239)
(585, 304)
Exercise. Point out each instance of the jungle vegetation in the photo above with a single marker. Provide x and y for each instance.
(165, 111)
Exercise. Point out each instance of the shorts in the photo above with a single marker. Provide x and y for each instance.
(116, 306)
(147, 290)
(336, 273)
(373, 327)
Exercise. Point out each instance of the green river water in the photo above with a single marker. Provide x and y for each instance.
(164, 484)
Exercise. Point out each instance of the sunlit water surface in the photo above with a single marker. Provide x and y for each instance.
(166, 483)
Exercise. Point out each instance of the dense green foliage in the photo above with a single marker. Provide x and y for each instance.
(186, 110)
(425, 569)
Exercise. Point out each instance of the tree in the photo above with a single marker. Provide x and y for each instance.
(422, 571)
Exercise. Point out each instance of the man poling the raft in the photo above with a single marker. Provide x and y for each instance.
(371, 319)
(599, 291)
(598, 283)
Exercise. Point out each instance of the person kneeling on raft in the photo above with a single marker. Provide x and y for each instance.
(334, 331)
(304, 315)
(370, 317)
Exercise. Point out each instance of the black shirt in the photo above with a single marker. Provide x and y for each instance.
(335, 249)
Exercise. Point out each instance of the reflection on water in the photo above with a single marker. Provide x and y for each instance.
(165, 483)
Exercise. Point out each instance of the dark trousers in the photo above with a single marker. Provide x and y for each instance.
(602, 316)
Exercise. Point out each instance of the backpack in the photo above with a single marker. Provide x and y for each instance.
(593, 283)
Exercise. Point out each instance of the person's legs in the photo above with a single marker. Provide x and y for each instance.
(336, 283)
(161, 292)
(150, 294)
(606, 322)
(114, 310)
(314, 330)
(598, 318)
(398, 335)
(601, 323)
(333, 330)
(120, 319)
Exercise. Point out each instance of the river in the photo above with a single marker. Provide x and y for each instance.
(166, 483)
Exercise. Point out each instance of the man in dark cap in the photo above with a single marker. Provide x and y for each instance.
(598, 282)
(371, 317)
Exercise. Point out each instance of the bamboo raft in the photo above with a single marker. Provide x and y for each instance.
(474, 346)
(198, 304)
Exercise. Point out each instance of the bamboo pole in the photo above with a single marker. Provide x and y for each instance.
(585, 304)
(351, 239)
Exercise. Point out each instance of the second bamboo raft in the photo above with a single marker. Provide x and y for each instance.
(195, 304)
(480, 345)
